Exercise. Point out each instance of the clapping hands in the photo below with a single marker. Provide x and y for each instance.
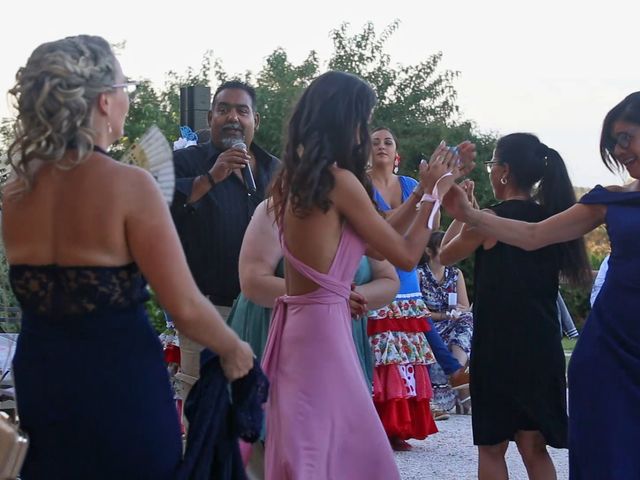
(447, 164)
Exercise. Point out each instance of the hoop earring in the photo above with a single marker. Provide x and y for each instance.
(504, 180)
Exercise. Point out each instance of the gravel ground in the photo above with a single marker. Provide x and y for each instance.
(450, 455)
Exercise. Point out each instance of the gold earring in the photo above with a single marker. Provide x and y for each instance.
(503, 180)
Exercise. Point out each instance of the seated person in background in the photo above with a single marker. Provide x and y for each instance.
(445, 294)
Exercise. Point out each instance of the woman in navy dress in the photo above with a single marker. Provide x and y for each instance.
(80, 231)
(603, 408)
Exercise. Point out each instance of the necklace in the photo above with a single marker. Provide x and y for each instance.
(96, 148)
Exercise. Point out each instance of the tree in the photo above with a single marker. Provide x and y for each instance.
(418, 101)
(161, 107)
(278, 86)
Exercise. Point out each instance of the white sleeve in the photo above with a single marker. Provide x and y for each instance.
(597, 283)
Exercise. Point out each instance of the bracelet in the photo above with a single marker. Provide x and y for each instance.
(210, 178)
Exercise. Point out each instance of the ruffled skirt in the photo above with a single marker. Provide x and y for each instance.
(401, 384)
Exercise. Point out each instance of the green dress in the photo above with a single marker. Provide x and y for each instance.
(251, 322)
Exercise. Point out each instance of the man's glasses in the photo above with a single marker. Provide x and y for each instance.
(129, 87)
(489, 164)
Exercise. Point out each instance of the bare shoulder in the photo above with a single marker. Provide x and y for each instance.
(262, 210)
(264, 216)
(124, 176)
(346, 183)
(342, 176)
(629, 187)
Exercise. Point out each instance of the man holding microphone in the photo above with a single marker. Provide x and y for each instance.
(218, 186)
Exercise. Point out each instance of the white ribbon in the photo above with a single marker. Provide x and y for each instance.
(438, 202)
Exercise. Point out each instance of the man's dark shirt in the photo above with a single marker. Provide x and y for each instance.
(211, 230)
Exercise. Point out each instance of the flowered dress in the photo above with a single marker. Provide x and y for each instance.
(454, 331)
(401, 385)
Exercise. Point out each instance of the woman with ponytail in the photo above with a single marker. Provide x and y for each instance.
(517, 368)
(602, 440)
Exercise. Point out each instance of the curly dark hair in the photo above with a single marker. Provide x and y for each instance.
(328, 125)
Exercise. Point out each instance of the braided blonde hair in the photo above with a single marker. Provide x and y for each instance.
(55, 93)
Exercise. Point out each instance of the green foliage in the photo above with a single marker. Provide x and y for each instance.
(568, 344)
(278, 86)
(418, 102)
(6, 133)
(406, 94)
(577, 301)
(161, 107)
(155, 313)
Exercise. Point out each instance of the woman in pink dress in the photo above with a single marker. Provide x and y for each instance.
(321, 421)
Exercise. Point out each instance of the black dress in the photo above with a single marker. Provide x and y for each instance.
(91, 383)
(517, 366)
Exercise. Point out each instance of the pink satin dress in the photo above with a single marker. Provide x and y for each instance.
(321, 421)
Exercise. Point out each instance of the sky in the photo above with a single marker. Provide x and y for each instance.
(553, 68)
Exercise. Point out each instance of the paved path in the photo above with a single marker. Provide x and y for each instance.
(450, 455)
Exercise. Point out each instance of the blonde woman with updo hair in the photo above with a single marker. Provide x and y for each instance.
(82, 232)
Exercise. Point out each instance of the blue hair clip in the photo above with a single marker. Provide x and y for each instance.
(188, 134)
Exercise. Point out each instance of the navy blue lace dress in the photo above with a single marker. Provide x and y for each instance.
(604, 371)
(92, 388)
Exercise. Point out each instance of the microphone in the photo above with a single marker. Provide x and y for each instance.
(247, 174)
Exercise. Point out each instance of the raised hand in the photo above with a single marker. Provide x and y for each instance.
(468, 186)
(440, 170)
(228, 161)
(456, 203)
(467, 152)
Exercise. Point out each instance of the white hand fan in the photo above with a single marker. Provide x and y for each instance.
(153, 153)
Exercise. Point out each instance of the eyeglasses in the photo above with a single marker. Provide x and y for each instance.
(489, 164)
(623, 139)
(129, 87)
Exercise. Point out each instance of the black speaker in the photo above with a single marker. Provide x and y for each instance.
(195, 101)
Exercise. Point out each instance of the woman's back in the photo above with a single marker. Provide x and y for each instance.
(509, 279)
(313, 240)
(72, 217)
(82, 302)
(80, 231)
(517, 339)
